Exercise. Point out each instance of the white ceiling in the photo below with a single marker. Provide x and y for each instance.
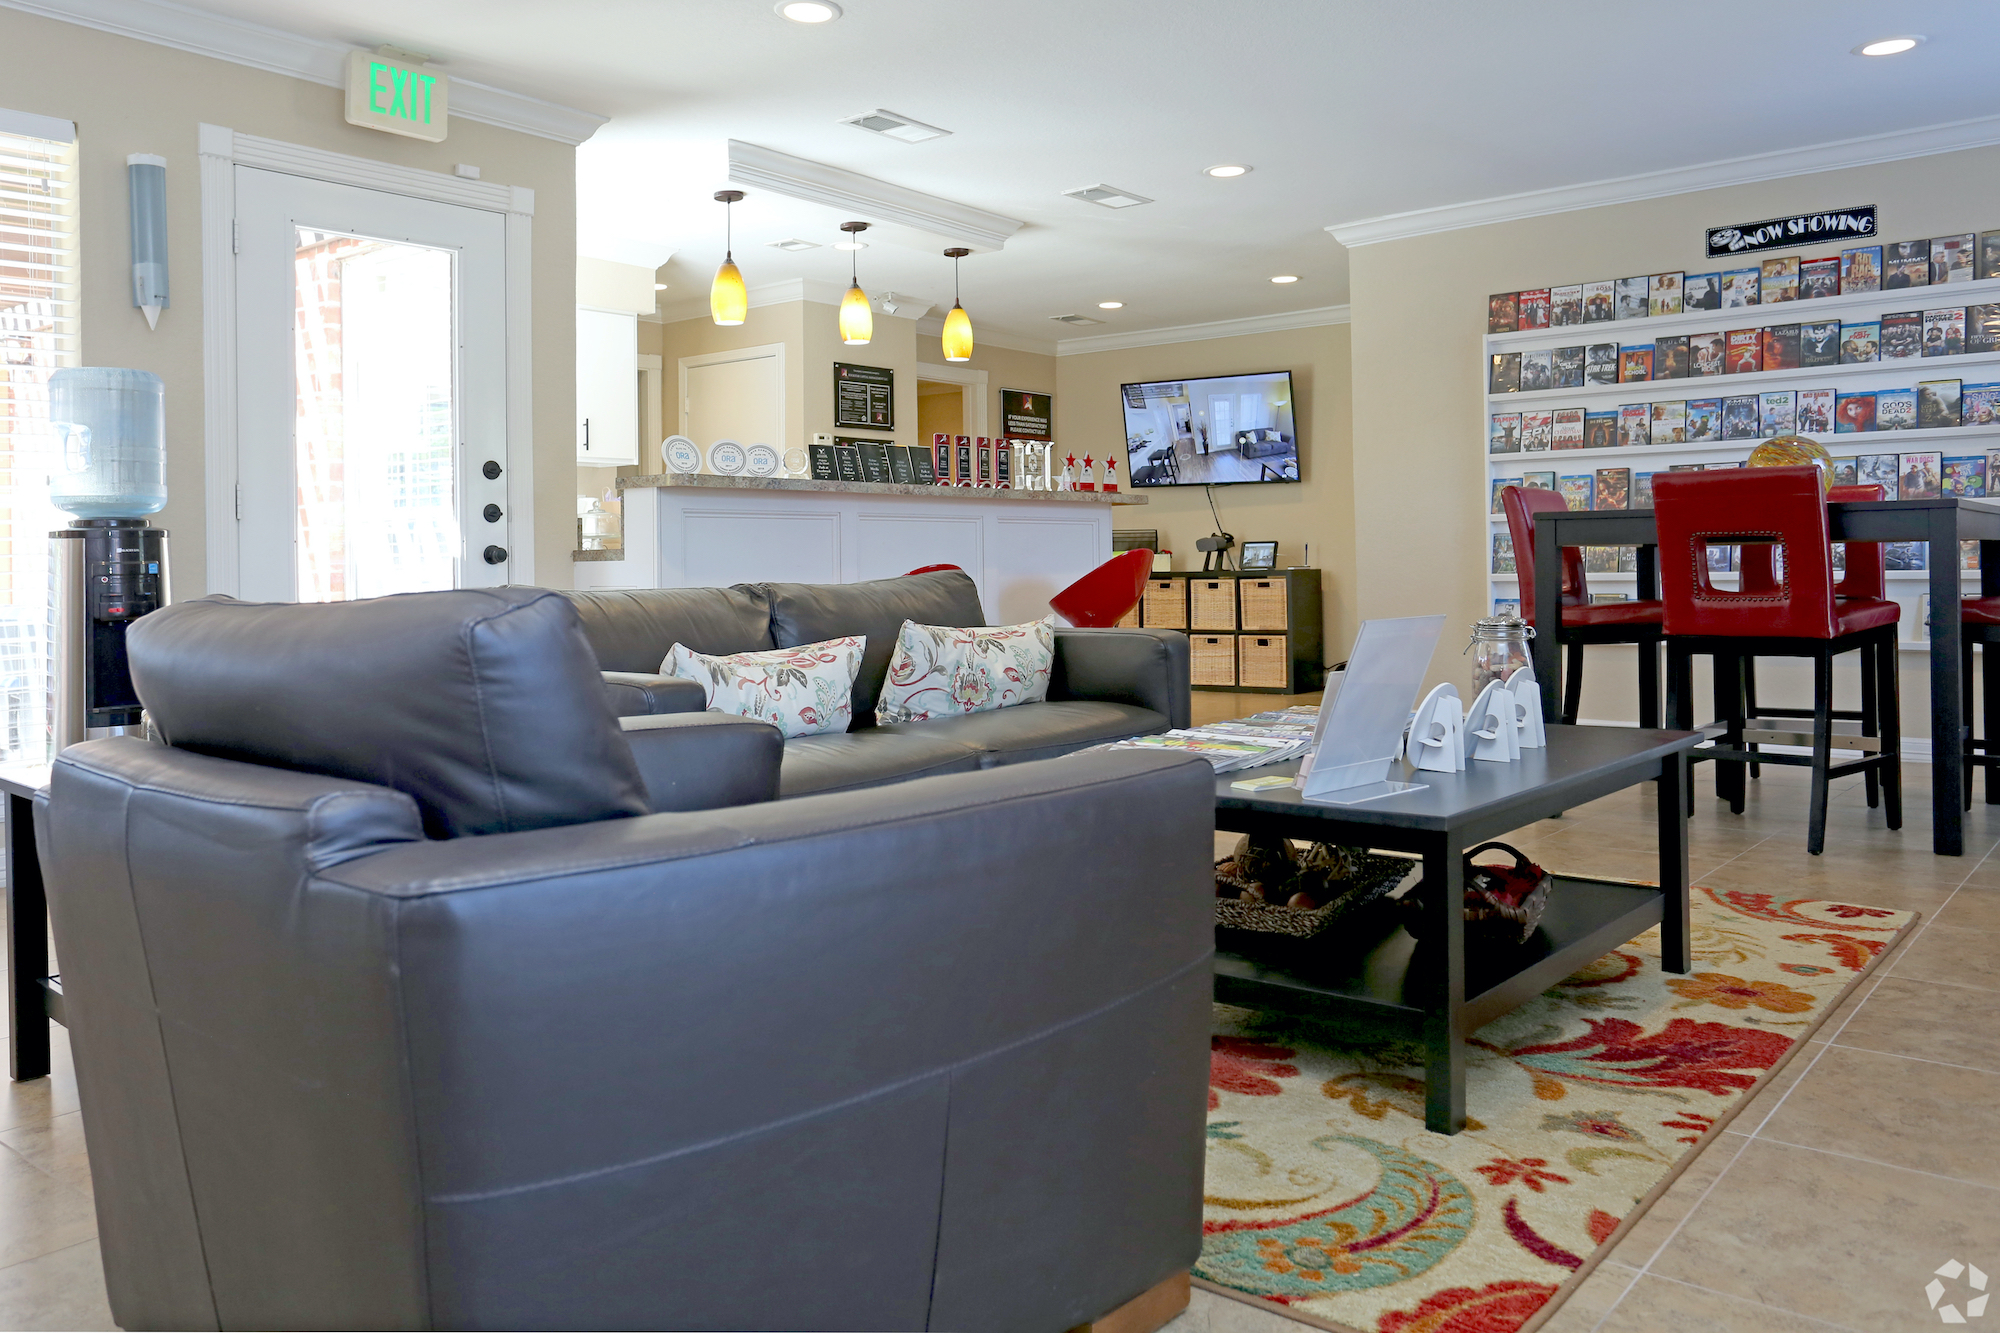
(1346, 110)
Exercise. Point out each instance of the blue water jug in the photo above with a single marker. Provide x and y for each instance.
(111, 442)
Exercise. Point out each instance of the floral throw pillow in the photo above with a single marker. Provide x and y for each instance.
(943, 670)
(803, 691)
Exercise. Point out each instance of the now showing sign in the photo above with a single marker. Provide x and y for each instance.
(393, 95)
(1840, 224)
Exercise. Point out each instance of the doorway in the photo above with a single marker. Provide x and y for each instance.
(940, 409)
(371, 376)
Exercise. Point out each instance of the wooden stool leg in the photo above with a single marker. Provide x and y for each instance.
(1822, 755)
(1891, 716)
(1572, 684)
(1871, 722)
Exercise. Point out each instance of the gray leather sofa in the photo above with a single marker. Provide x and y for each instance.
(1107, 684)
(394, 1007)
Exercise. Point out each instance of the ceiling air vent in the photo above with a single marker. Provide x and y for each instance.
(1075, 319)
(793, 244)
(1107, 196)
(890, 125)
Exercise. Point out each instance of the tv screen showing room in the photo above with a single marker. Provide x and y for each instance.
(1220, 431)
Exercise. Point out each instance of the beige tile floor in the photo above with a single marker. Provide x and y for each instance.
(1874, 1157)
(1826, 1204)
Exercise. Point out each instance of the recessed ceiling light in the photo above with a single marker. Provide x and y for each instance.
(808, 11)
(1110, 305)
(1226, 170)
(850, 244)
(793, 243)
(659, 286)
(1286, 277)
(1107, 196)
(895, 125)
(1888, 46)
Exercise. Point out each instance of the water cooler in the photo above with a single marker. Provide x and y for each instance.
(109, 566)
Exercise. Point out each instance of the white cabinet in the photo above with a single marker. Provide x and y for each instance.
(607, 388)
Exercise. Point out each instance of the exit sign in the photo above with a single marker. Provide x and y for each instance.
(393, 95)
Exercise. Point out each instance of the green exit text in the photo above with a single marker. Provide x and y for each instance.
(407, 93)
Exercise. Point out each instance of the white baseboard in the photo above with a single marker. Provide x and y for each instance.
(1914, 751)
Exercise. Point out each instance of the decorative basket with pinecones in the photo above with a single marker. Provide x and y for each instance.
(1267, 886)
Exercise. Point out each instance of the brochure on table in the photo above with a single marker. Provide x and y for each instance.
(1360, 733)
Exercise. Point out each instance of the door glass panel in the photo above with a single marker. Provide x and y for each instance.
(373, 360)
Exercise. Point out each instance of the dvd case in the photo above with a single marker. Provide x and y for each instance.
(1777, 410)
(1982, 328)
(1669, 423)
(1861, 270)
(1902, 335)
(1568, 368)
(1778, 279)
(1503, 553)
(1739, 288)
(1599, 302)
(1853, 413)
(1819, 277)
(1577, 491)
(1614, 488)
(1860, 341)
(1635, 363)
(1635, 426)
(1937, 404)
(1663, 297)
(1503, 312)
(1739, 418)
(1566, 305)
(1906, 264)
(1704, 420)
(1917, 475)
(1505, 435)
(1896, 409)
(1979, 405)
(1566, 428)
(1988, 263)
(1819, 344)
(1670, 358)
(1532, 308)
(1642, 498)
(1781, 347)
(1701, 291)
(1537, 432)
(1944, 331)
(1537, 371)
(1706, 354)
(1632, 298)
(1506, 375)
(1877, 470)
(1600, 430)
(1600, 363)
(1952, 258)
(1964, 477)
(1538, 481)
(1746, 351)
(1815, 415)
(1843, 475)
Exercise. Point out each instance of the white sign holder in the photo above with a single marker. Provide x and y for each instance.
(1490, 726)
(1528, 708)
(1360, 733)
(1437, 736)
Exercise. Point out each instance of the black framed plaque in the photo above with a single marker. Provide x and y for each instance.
(1028, 416)
(864, 397)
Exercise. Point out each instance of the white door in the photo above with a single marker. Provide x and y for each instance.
(371, 392)
(607, 396)
(736, 396)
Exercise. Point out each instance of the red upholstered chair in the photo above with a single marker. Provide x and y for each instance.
(1795, 614)
(1107, 594)
(1979, 623)
(1866, 577)
(929, 569)
(1582, 623)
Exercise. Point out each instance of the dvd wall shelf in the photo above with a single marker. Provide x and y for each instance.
(1980, 440)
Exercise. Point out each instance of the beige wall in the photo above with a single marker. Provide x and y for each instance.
(1320, 511)
(128, 96)
(1419, 411)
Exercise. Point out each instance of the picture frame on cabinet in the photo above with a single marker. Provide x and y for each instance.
(1778, 279)
(1701, 291)
(1577, 491)
(1503, 312)
(1819, 278)
(1860, 340)
(1632, 298)
(1906, 264)
(1669, 422)
(1600, 305)
(1918, 475)
(1780, 347)
(1853, 413)
(1537, 371)
(1566, 305)
(1745, 354)
(1896, 409)
(1944, 332)
(1819, 344)
(1566, 428)
(1987, 265)
(1952, 258)
(1739, 288)
(1739, 418)
(1600, 430)
(1706, 354)
(1505, 376)
(1614, 488)
(1670, 358)
(1635, 363)
(1963, 477)
(1777, 410)
(1537, 432)
(1504, 437)
(1937, 404)
(1979, 405)
(1861, 270)
(1902, 335)
(1815, 412)
(1635, 425)
(1567, 368)
(1663, 295)
(1704, 420)
(1600, 363)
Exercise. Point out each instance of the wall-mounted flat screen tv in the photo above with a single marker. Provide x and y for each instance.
(1221, 431)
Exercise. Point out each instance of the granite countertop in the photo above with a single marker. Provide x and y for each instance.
(879, 488)
(615, 554)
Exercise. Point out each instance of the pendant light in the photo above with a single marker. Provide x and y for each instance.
(728, 302)
(857, 322)
(957, 324)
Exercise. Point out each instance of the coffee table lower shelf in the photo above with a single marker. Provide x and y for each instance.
(1382, 973)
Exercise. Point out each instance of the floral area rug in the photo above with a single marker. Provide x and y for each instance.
(1328, 1201)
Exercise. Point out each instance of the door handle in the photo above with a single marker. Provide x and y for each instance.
(491, 470)
(491, 513)
(496, 555)
(586, 434)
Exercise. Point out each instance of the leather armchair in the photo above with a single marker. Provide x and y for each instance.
(400, 1011)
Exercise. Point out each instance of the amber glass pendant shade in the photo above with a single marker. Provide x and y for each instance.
(957, 335)
(728, 300)
(857, 322)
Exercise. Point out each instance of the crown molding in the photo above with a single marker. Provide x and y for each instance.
(308, 58)
(1318, 317)
(934, 328)
(867, 198)
(1893, 146)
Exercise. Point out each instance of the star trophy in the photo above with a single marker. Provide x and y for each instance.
(1069, 472)
(1110, 472)
(1089, 480)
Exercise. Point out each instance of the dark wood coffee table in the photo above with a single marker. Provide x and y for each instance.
(1435, 988)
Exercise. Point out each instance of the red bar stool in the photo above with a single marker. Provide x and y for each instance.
(1582, 623)
(1107, 594)
(1795, 615)
(1866, 577)
(1979, 622)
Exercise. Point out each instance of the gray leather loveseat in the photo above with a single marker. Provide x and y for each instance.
(1107, 684)
(393, 1007)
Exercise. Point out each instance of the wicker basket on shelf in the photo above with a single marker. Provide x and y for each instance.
(1345, 881)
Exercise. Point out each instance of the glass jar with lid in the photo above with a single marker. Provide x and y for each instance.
(1499, 646)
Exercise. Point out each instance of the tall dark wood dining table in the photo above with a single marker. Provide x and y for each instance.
(1943, 523)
